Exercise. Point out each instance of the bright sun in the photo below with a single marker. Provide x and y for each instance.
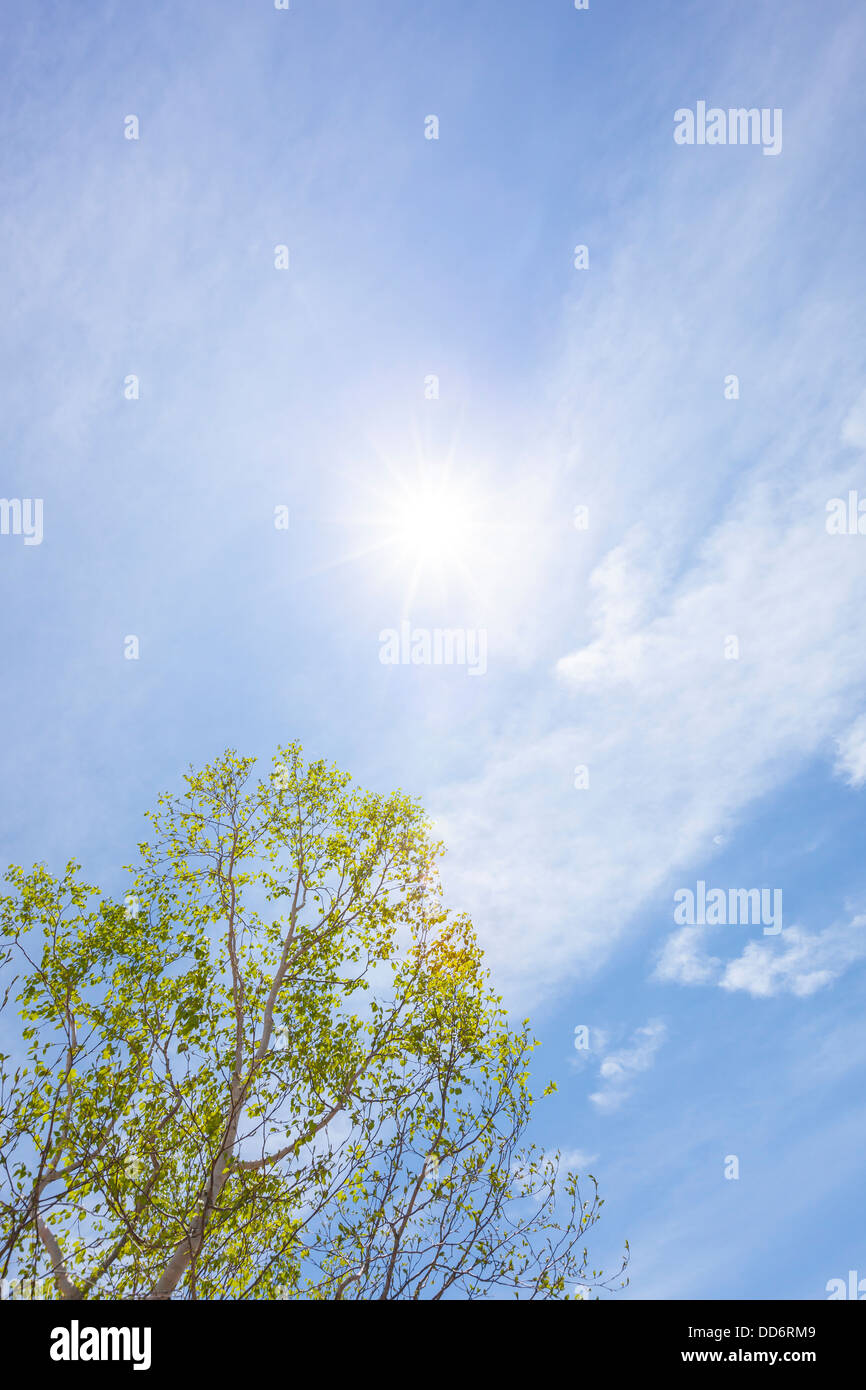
(433, 526)
(428, 529)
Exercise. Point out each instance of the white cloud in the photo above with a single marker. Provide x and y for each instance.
(575, 1161)
(678, 740)
(851, 762)
(683, 961)
(707, 519)
(800, 964)
(619, 1069)
(796, 962)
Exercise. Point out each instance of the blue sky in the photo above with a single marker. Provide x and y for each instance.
(558, 387)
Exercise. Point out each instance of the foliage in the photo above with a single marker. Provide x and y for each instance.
(275, 1071)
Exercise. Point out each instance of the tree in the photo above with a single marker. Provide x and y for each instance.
(275, 1070)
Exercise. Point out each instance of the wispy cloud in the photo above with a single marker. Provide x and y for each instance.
(619, 1069)
(796, 962)
(851, 762)
(684, 961)
(707, 522)
(679, 741)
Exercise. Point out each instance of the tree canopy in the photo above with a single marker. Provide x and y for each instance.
(275, 1069)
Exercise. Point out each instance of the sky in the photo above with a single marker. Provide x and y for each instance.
(329, 274)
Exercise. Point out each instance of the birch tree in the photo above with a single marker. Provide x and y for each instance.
(275, 1069)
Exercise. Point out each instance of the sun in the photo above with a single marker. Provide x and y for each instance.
(434, 526)
(422, 525)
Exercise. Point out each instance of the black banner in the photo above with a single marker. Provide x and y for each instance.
(91, 1340)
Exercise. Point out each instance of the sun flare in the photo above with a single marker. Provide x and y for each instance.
(427, 529)
(434, 525)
